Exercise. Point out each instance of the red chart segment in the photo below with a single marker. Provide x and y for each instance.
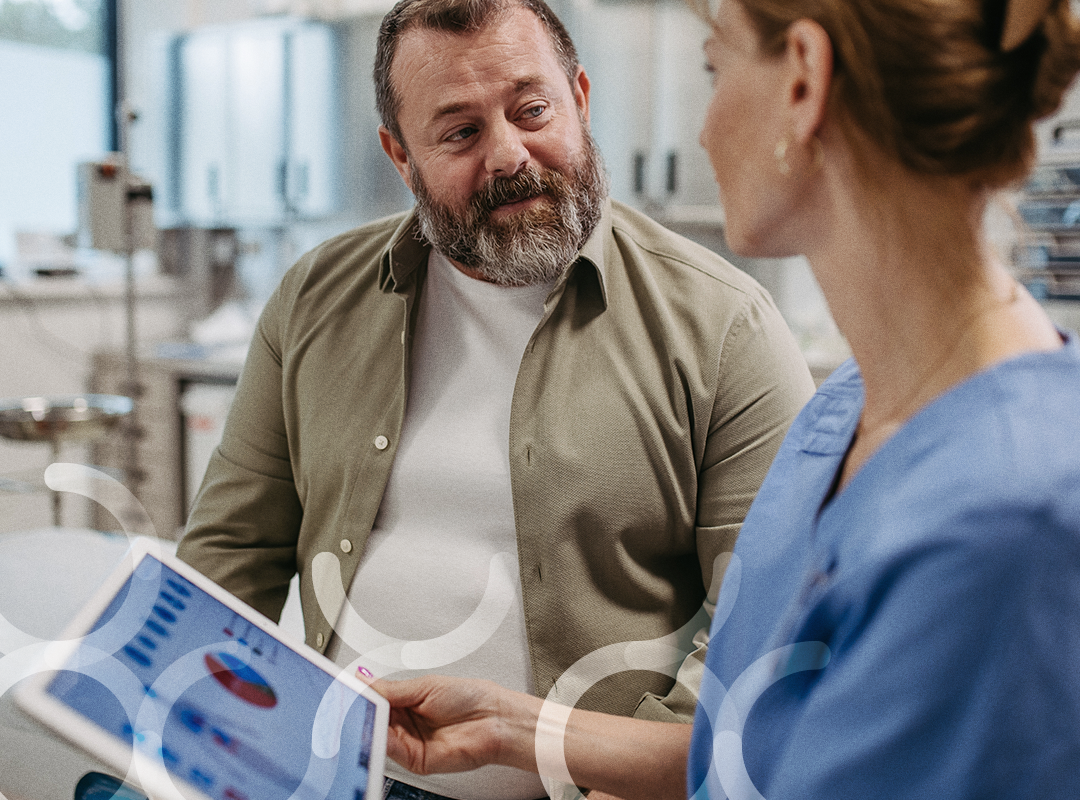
(241, 680)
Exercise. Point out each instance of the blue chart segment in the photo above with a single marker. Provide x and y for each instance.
(241, 680)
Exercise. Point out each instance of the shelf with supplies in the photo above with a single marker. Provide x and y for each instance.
(1047, 253)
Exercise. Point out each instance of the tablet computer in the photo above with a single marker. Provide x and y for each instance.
(190, 693)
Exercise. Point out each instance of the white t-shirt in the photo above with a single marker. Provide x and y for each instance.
(438, 583)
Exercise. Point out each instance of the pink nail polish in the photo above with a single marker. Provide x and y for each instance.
(364, 671)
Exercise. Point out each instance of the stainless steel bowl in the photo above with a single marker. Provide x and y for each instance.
(64, 418)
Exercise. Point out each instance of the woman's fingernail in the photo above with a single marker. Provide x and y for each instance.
(364, 671)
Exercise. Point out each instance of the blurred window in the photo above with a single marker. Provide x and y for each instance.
(55, 92)
(67, 24)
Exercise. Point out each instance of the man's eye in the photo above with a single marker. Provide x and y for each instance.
(461, 134)
(533, 112)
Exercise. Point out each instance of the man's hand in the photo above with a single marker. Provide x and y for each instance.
(440, 724)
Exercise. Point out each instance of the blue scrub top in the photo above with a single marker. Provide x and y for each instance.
(918, 634)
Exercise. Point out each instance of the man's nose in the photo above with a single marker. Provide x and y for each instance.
(507, 154)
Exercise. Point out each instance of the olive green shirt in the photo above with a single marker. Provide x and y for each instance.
(648, 406)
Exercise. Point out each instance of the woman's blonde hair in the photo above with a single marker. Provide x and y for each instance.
(928, 81)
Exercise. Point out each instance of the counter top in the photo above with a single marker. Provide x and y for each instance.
(78, 288)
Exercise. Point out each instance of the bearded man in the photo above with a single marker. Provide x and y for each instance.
(506, 432)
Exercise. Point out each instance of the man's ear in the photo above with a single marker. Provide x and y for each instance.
(809, 58)
(581, 88)
(397, 153)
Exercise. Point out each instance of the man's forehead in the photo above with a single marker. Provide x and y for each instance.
(510, 55)
(519, 86)
(518, 31)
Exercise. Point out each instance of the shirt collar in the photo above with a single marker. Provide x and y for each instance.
(408, 250)
(594, 251)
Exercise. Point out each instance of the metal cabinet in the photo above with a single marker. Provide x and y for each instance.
(164, 434)
(257, 123)
(1047, 253)
(649, 95)
(310, 143)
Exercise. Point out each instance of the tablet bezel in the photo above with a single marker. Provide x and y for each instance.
(141, 770)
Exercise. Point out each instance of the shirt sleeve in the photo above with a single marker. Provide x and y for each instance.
(952, 674)
(243, 529)
(762, 384)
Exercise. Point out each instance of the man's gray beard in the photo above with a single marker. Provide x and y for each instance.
(530, 247)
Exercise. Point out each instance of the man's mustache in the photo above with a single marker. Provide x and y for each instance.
(525, 184)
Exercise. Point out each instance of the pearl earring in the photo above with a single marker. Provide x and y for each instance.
(780, 153)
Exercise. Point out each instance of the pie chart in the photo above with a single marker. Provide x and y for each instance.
(240, 680)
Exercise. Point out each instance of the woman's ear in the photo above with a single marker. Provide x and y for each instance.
(809, 57)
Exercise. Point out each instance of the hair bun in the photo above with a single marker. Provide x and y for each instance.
(1022, 17)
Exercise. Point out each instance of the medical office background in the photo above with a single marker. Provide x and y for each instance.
(253, 122)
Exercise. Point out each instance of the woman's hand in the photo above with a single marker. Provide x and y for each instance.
(440, 724)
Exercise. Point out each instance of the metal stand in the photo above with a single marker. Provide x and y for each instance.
(69, 418)
(55, 494)
(127, 116)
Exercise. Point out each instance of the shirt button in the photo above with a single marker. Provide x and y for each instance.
(319, 640)
(381, 442)
(346, 546)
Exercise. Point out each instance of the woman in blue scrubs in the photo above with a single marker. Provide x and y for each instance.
(901, 616)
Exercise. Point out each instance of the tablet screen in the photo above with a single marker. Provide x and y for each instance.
(220, 703)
